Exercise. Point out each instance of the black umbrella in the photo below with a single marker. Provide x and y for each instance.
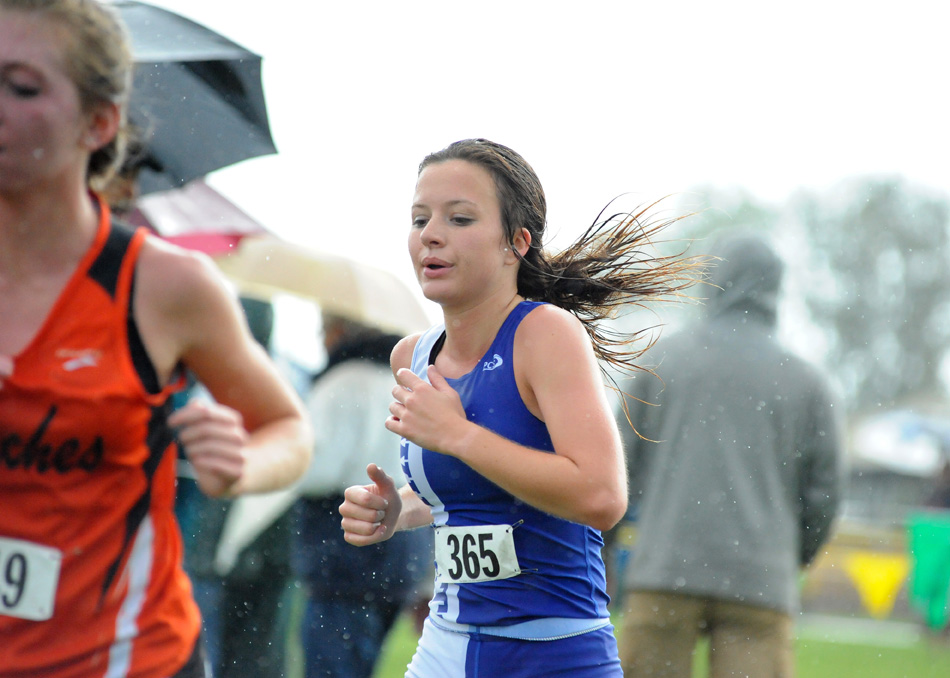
(197, 98)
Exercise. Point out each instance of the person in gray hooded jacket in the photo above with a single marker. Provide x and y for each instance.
(737, 464)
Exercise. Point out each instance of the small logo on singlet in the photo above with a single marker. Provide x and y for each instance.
(74, 359)
(494, 364)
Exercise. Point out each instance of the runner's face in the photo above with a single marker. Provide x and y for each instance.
(43, 131)
(457, 242)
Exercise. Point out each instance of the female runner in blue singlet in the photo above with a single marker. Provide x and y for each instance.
(508, 438)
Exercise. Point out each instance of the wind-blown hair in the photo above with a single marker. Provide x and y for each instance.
(612, 266)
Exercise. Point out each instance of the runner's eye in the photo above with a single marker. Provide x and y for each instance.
(25, 91)
(21, 90)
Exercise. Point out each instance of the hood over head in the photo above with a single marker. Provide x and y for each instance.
(746, 277)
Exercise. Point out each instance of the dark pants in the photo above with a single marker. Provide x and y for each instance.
(197, 665)
(353, 594)
(241, 626)
(343, 639)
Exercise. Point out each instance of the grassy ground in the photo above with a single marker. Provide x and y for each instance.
(825, 648)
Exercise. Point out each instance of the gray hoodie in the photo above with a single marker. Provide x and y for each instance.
(742, 486)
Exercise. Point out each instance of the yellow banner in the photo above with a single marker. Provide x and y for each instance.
(878, 577)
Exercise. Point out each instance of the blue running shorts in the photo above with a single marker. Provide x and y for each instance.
(451, 654)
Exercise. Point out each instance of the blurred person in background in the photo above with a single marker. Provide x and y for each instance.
(353, 596)
(737, 457)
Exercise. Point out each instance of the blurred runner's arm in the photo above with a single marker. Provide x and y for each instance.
(256, 437)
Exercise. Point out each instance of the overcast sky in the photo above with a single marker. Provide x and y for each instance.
(602, 98)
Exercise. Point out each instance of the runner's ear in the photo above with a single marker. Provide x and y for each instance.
(102, 126)
(522, 241)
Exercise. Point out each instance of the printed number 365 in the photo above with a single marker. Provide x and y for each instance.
(469, 560)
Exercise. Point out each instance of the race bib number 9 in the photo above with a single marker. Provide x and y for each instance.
(29, 574)
(464, 555)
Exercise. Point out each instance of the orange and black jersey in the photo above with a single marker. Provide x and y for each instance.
(88, 539)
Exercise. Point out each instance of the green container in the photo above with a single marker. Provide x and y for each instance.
(929, 545)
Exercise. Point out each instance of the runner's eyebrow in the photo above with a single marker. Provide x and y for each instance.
(450, 203)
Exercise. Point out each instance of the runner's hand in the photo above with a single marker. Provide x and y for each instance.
(370, 512)
(213, 437)
(429, 414)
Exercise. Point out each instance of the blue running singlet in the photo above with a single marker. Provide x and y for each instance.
(518, 592)
(503, 568)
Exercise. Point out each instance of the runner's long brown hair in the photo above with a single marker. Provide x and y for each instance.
(612, 267)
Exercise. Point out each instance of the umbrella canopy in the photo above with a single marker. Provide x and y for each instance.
(263, 265)
(196, 217)
(197, 98)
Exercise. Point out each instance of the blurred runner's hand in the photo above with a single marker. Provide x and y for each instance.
(213, 437)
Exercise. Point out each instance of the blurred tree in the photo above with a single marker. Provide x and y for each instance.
(876, 282)
(716, 210)
(712, 211)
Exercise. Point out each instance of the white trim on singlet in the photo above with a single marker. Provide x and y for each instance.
(139, 569)
(546, 628)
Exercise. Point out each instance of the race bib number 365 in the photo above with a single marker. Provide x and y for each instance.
(464, 555)
(29, 574)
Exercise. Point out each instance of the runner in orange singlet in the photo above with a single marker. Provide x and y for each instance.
(96, 325)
